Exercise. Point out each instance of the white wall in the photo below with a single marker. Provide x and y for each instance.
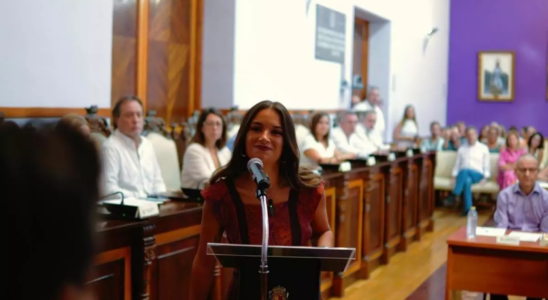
(274, 56)
(218, 53)
(55, 53)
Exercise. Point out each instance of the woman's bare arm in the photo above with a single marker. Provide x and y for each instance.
(204, 265)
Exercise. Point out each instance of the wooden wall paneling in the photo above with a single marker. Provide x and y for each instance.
(40, 112)
(349, 224)
(124, 49)
(111, 275)
(174, 58)
(142, 50)
(410, 206)
(373, 221)
(327, 277)
(393, 210)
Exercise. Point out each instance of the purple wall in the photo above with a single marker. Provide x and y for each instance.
(511, 25)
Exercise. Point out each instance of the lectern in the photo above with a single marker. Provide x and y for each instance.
(293, 272)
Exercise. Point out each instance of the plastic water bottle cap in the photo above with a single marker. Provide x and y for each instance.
(473, 207)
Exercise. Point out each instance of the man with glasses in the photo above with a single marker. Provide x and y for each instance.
(524, 205)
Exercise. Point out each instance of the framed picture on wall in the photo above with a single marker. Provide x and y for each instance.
(496, 70)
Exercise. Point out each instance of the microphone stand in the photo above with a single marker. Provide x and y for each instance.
(263, 269)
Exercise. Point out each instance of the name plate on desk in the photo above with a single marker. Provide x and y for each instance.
(508, 240)
(409, 153)
(132, 208)
(371, 161)
(345, 166)
(391, 156)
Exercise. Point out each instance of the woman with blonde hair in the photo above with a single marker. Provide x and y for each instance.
(407, 132)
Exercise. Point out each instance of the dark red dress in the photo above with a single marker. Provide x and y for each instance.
(235, 216)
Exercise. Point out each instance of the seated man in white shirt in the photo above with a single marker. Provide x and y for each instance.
(471, 167)
(130, 164)
(373, 102)
(345, 137)
(370, 138)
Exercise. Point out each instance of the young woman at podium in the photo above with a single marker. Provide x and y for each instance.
(297, 207)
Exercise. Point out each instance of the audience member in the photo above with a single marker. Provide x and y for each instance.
(318, 147)
(461, 127)
(76, 121)
(435, 142)
(508, 159)
(207, 151)
(345, 137)
(535, 145)
(483, 134)
(493, 139)
(49, 181)
(407, 132)
(524, 205)
(355, 100)
(452, 139)
(373, 102)
(131, 166)
(370, 137)
(543, 175)
(472, 166)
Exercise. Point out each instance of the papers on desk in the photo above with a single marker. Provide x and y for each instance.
(526, 236)
(490, 231)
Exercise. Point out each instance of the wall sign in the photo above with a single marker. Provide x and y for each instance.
(330, 34)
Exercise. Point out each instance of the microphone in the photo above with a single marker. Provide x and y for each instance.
(255, 167)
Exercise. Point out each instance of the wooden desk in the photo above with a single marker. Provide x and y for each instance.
(485, 266)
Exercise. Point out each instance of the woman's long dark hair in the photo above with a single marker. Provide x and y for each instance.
(530, 141)
(315, 120)
(290, 173)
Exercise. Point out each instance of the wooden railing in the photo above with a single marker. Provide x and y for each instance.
(379, 210)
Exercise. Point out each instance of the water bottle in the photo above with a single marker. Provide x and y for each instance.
(472, 223)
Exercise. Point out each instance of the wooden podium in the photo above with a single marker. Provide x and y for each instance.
(294, 272)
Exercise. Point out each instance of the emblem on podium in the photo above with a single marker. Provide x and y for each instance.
(278, 293)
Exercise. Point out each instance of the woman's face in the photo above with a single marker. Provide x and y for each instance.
(493, 135)
(410, 113)
(535, 142)
(322, 128)
(484, 131)
(513, 141)
(212, 129)
(264, 139)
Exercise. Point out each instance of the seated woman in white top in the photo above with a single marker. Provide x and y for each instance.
(207, 151)
(317, 147)
(407, 132)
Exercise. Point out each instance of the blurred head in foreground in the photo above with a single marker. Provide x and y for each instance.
(48, 180)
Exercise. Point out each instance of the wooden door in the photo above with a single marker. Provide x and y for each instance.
(361, 53)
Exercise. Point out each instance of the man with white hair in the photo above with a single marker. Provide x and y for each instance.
(373, 102)
(370, 138)
(345, 138)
